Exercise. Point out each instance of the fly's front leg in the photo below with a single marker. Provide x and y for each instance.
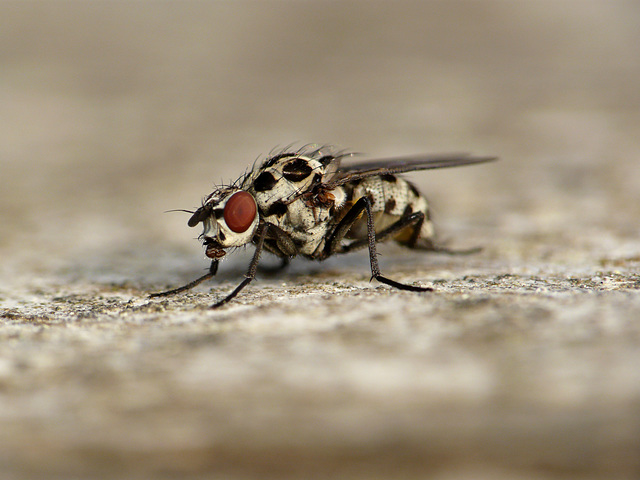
(213, 269)
(281, 244)
(253, 267)
(333, 246)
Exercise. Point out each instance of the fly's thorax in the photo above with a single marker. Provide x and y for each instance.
(229, 217)
(275, 184)
(311, 210)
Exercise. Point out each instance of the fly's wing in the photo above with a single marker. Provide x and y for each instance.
(333, 163)
(356, 171)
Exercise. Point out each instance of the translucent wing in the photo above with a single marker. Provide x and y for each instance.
(356, 171)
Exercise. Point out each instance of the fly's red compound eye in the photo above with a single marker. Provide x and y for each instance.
(239, 211)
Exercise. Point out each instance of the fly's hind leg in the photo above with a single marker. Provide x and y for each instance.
(416, 219)
(334, 246)
(448, 251)
(428, 245)
(425, 244)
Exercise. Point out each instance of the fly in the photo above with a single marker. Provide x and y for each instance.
(306, 202)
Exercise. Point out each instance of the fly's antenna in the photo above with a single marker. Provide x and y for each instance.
(180, 210)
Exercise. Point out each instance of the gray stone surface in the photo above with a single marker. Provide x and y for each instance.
(523, 364)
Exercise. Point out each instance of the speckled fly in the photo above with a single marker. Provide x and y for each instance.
(305, 202)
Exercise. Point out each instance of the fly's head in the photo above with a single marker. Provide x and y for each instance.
(230, 219)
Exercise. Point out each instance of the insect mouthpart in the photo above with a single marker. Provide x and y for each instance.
(214, 250)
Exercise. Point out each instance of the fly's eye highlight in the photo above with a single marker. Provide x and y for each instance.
(240, 211)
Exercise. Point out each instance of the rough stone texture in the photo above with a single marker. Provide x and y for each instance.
(523, 364)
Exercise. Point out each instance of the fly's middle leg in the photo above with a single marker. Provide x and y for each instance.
(334, 246)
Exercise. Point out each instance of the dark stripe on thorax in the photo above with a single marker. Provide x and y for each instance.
(297, 170)
(264, 182)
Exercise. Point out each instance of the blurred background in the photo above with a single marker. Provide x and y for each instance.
(112, 113)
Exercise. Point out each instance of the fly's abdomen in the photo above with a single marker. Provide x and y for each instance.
(392, 199)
